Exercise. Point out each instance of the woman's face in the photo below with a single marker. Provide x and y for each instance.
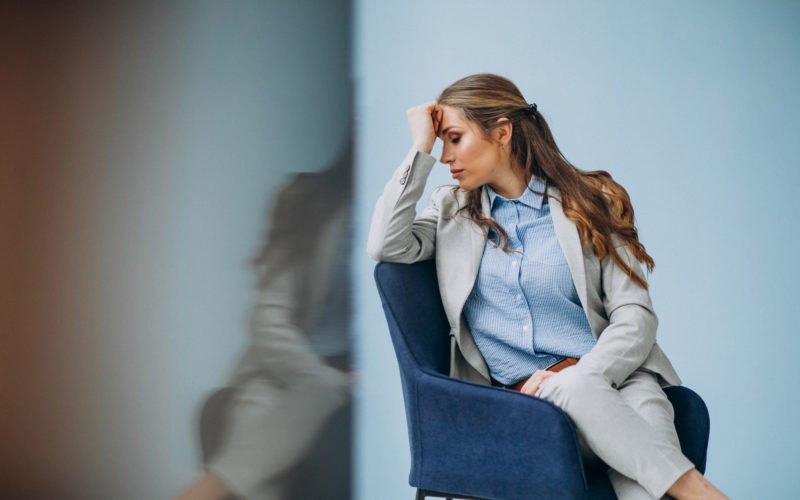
(474, 159)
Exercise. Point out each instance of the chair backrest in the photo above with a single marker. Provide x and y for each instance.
(417, 322)
(420, 333)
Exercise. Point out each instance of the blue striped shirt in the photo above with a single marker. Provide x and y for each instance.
(524, 311)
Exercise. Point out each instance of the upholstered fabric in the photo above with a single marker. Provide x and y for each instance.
(488, 442)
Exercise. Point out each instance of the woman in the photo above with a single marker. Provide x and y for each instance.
(539, 272)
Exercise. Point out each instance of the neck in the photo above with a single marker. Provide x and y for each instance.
(510, 186)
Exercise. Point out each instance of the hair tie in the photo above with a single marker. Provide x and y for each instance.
(531, 110)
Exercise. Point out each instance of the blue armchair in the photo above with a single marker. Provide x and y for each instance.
(479, 442)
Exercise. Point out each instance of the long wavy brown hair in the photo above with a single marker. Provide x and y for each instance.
(597, 204)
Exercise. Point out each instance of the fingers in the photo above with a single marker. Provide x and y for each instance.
(422, 120)
(422, 110)
(532, 385)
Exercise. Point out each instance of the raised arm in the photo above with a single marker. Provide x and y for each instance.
(397, 233)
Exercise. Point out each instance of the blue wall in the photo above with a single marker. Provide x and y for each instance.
(693, 107)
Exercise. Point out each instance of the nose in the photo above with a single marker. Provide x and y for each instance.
(447, 155)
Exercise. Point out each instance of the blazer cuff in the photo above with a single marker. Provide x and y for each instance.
(415, 164)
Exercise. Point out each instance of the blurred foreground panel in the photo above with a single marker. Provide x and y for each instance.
(141, 145)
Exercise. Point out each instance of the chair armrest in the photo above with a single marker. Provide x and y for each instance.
(691, 422)
(469, 436)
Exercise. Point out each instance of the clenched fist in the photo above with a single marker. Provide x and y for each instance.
(424, 120)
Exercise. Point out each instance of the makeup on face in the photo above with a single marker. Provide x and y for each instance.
(473, 158)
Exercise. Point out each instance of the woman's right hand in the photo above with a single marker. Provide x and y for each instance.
(534, 383)
(424, 120)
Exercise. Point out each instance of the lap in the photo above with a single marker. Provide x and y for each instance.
(630, 428)
(575, 390)
(642, 392)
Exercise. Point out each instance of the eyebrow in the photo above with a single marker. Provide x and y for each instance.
(444, 132)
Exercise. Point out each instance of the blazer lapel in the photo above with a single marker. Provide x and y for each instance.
(570, 242)
(458, 269)
(471, 245)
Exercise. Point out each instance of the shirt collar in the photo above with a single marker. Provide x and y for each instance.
(533, 200)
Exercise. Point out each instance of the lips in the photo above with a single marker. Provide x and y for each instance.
(456, 172)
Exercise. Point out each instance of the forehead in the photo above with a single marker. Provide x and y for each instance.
(453, 117)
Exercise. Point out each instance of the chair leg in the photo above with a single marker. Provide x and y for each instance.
(420, 495)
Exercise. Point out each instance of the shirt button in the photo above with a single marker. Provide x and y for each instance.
(517, 296)
(514, 263)
(526, 328)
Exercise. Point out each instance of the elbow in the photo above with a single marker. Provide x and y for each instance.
(376, 250)
(382, 250)
(396, 254)
(380, 254)
(637, 318)
(379, 248)
(648, 325)
(398, 250)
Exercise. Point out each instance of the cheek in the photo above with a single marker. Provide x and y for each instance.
(470, 150)
(483, 159)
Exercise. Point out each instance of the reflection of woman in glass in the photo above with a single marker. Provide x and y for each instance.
(539, 272)
(294, 374)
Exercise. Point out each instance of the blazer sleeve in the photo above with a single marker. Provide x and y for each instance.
(626, 342)
(396, 233)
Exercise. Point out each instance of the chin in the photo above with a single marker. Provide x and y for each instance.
(467, 186)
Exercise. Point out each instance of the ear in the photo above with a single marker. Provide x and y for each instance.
(502, 132)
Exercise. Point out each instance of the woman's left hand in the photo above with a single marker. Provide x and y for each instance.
(532, 385)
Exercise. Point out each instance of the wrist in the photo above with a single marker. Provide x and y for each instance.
(423, 147)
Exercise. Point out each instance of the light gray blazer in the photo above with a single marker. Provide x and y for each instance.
(619, 311)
